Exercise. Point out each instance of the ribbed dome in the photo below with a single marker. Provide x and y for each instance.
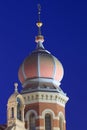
(40, 64)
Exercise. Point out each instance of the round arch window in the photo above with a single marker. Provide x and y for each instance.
(48, 122)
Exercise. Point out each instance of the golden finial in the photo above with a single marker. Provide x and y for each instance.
(39, 39)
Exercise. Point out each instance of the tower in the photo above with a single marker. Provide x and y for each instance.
(41, 74)
(15, 111)
(41, 104)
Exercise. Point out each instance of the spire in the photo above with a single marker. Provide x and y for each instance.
(39, 38)
(16, 87)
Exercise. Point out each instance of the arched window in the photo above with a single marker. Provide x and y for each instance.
(61, 123)
(12, 112)
(19, 109)
(48, 122)
(32, 122)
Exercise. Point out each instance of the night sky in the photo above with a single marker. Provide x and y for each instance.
(65, 32)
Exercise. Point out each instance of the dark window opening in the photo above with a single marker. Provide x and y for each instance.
(19, 114)
(32, 122)
(48, 122)
(12, 112)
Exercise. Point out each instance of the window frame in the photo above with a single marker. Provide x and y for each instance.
(48, 123)
(30, 121)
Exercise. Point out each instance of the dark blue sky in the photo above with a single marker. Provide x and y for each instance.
(65, 32)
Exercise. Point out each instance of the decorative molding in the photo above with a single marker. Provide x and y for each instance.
(40, 127)
(24, 75)
(54, 72)
(45, 97)
(28, 114)
(38, 65)
(48, 111)
(60, 114)
(56, 128)
(42, 80)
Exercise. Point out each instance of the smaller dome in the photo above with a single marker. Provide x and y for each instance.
(15, 95)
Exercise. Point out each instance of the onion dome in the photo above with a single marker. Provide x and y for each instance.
(40, 68)
(40, 64)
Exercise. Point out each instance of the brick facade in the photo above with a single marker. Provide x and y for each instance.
(41, 109)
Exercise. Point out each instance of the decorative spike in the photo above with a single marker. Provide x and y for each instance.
(39, 39)
(39, 23)
(39, 11)
(16, 87)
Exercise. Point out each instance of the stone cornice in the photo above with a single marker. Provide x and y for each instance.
(45, 97)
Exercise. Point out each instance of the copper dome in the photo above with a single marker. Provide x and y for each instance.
(40, 64)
